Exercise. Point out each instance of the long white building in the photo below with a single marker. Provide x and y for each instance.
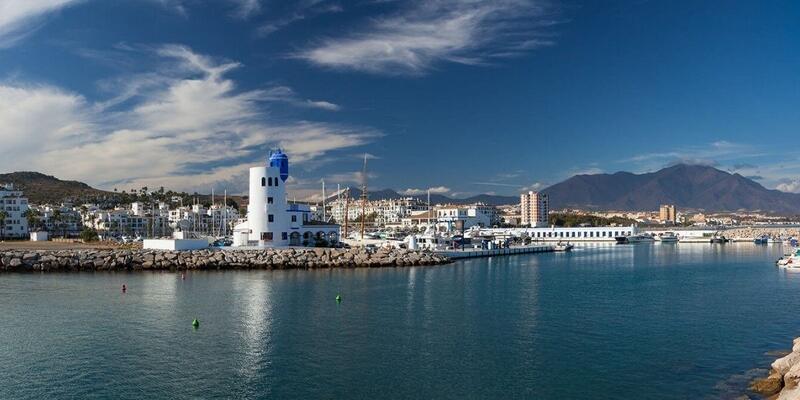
(576, 234)
(271, 221)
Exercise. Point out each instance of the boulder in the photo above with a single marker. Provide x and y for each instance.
(768, 386)
(784, 364)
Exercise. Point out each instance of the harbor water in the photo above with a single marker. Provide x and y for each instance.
(654, 321)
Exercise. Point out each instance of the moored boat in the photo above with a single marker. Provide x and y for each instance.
(563, 246)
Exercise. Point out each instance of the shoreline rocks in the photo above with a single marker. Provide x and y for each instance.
(783, 381)
(210, 259)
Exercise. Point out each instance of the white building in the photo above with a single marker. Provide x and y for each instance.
(581, 234)
(385, 212)
(271, 221)
(534, 207)
(14, 204)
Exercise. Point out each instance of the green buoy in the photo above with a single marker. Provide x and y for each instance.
(338, 298)
(196, 323)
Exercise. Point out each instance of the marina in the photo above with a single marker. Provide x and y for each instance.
(651, 317)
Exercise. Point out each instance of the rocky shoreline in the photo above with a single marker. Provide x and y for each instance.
(783, 381)
(210, 259)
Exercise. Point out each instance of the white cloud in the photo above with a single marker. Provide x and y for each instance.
(192, 130)
(425, 32)
(792, 186)
(433, 190)
(287, 95)
(20, 17)
(534, 187)
(246, 8)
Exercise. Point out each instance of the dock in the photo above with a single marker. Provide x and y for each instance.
(473, 253)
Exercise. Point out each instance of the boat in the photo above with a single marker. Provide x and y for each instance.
(668, 237)
(563, 246)
(719, 239)
(761, 240)
(775, 240)
(634, 239)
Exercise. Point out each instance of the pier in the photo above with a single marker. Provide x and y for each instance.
(474, 253)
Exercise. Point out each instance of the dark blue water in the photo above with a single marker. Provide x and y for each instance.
(621, 322)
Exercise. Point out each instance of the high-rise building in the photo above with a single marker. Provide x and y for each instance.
(535, 208)
(666, 214)
(14, 205)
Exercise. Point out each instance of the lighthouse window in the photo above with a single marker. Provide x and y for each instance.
(270, 218)
(276, 181)
(263, 182)
(270, 181)
(269, 200)
(294, 218)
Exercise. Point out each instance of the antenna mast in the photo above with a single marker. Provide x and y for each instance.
(363, 196)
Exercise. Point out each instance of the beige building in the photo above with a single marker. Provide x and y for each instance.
(534, 207)
(666, 213)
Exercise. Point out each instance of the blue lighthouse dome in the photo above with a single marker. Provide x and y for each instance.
(280, 160)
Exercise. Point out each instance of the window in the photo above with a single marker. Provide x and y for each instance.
(276, 181)
(270, 181)
(269, 200)
(294, 218)
(263, 182)
(284, 236)
(270, 218)
(266, 236)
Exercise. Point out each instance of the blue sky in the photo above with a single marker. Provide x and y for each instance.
(461, 96)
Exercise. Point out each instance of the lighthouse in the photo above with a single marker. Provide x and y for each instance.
(271, 221)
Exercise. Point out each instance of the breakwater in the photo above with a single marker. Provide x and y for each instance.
(132, 259)
(783, 380)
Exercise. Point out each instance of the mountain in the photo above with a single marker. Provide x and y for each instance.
(686, 186)
(40, 188)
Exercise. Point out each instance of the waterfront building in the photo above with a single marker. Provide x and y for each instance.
(271, 221)
(534, 207)
(14, 204)
(666, 214)
(577, 234)
(378, 212)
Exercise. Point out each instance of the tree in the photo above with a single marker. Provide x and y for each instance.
(3, 216)
(57, 218)
(32, 216)
(89, 235)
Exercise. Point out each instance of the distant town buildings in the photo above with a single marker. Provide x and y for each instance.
(667, 215)
(13, 208)
(534, 207)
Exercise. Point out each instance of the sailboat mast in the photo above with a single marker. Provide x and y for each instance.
(363, 196)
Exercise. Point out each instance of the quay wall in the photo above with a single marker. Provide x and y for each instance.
(210, 259)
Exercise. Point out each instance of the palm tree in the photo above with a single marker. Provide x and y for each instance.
(56, 219)
(33, 218)
(3, 216)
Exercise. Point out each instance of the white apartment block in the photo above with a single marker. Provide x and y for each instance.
(534, 207)
(391, 211)
(14, 204)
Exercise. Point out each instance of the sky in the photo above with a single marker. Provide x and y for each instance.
(457, 96)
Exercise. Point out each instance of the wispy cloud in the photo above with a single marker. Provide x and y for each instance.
(432, 190)
(191, 130)
(287, 95)
(303, 10)
(18, 18)
(246, 8)
(424, 32)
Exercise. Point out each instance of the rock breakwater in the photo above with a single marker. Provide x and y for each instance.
(783, 381)
(133, 259)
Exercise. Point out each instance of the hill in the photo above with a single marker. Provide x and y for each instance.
(40, 188)
(686, 186)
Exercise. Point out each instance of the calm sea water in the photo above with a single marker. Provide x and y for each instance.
(615, 322)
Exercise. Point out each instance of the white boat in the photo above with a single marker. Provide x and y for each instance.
(668, 237)
(563, 246)
(774, 240)
(634, 239)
